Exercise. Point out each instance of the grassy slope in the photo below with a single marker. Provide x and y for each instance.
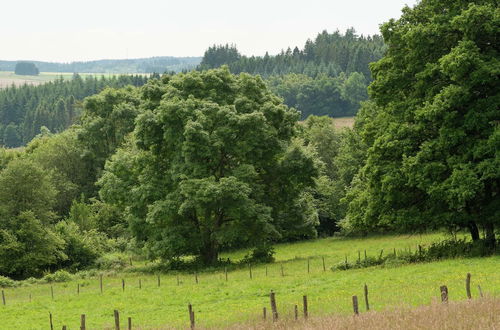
(217, 302)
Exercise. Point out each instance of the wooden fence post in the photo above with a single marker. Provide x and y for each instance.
(365, 256)
(282, 271)
(324, 267)
(50, 321)
(129, 323)
(196, 277)
(225, 272)
(178, 280)
(467, 286)
(355, 305)
(480, 291)
(264, 313)
(64, 327)
(159, 281)
(346, 261)
(274, 310)
(117, 320)
(100, 282)
(140, 284)
(266, 271)
(82, 322)
(78, 288)
(359, 257)
(305, 307)
(191, 316)
(296, 311)
(444, 293)
(52, 292)
(3, 297)
(366, 298)
(308, 267)
(250, 270)
(30, 296)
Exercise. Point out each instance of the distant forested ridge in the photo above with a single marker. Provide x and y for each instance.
(26, 109)
(328, 76)
(140, 65)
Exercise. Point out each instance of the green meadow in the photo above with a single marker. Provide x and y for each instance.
(219, 303)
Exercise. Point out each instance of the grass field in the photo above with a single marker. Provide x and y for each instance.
(218, 303)
(341, 122)
(7, 78)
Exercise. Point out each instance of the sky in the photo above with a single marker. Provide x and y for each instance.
(77, 30)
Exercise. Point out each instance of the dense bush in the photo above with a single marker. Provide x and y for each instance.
(6, 282)
(436, 251)
(112, 261)
(59, 276)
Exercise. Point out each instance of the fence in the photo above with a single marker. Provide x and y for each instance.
(444, 293)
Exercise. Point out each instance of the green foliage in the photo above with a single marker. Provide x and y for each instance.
(61, 156)
(26, 69)
(6, 282)
(107, 118)
(82, 248)
(112, 261)
(26, 187)
(329, 53)
(24, 110)
(446, 249)
(218, 55)
(28, 247)
(329, 76)
(213, 166)
(322, 95)
(432, 136)
(261, 254)
(58, 277)
(11, 137)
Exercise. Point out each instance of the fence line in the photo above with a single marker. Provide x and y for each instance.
(274, 310)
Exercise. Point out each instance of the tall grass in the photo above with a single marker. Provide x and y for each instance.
(474, 314)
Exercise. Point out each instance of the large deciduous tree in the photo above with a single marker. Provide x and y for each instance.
(434, 137)
(212, 164)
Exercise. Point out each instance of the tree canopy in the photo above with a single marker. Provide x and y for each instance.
(433, 135)
(212, 164)
(26, 69)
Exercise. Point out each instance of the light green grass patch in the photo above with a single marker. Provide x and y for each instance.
(218, 303)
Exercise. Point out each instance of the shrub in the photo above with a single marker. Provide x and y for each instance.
(261, 254)
(6, 282)
(112, 261)
(59, 276)
(440, 250)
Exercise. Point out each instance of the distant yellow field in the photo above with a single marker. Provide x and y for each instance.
(9, 78)
(342, 122)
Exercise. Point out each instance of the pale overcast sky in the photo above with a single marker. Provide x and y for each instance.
(75, 30)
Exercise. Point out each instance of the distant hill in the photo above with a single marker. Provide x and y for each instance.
(138, 65)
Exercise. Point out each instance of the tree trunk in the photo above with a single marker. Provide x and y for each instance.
(490, 234)
(210, 253)
(474, 231)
